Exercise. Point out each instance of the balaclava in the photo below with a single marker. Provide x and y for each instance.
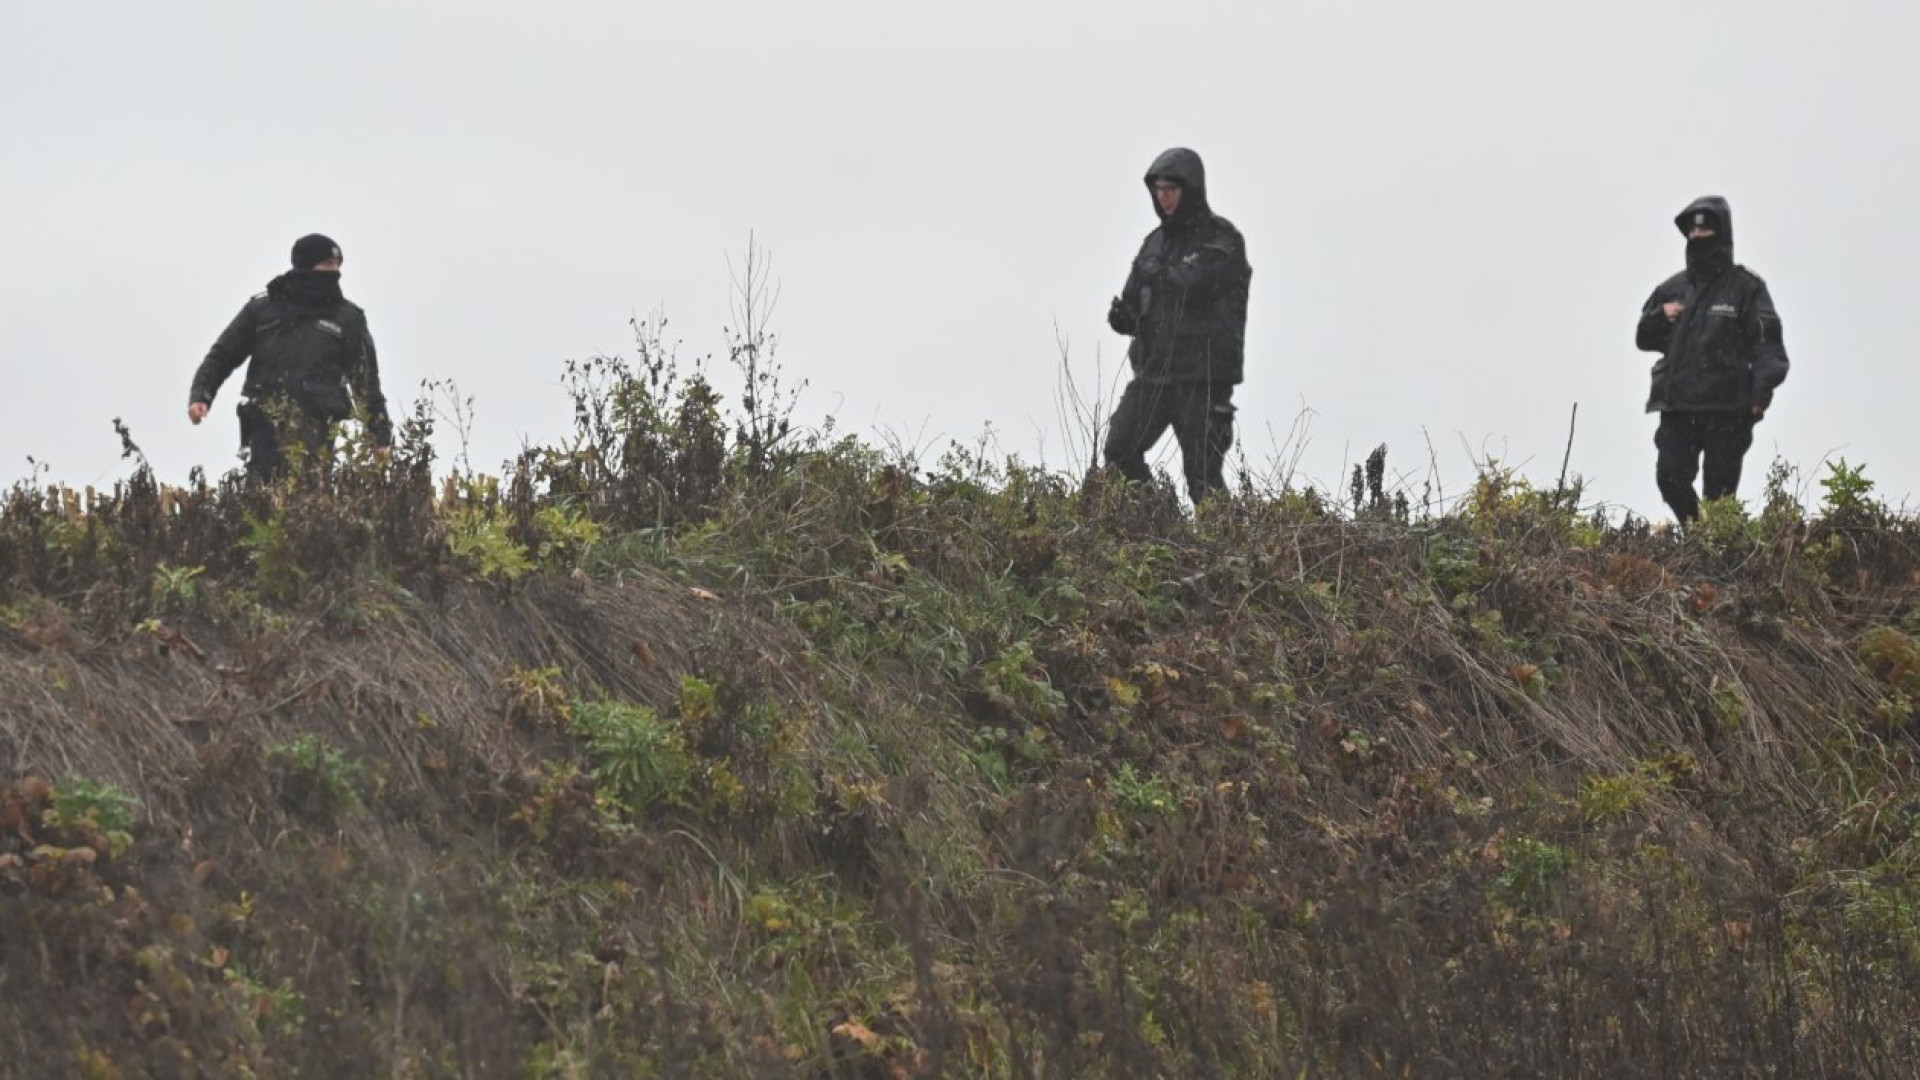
(1707, 256)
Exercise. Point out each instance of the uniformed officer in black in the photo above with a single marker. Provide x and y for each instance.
(1718, 334)
(1185, 307)
(312, 360)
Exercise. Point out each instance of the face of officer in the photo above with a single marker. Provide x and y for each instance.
(1701, 232)
(1166, 193)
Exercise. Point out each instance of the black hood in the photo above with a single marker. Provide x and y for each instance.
(1182, 165)
(1716, 208)
(1707, 257)
(317, 289)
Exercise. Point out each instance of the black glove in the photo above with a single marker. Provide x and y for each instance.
(1121, 317)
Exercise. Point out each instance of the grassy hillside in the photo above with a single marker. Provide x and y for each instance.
(691, 747)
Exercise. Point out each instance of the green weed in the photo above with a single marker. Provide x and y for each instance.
(1893, 657)
(1454, 565)
(322, 774)
(539, 695)
(103, 808)
(567, 535)
(278, 573)
(1610, 798)
(1849, 498)
(1724, 527)
(1015, 681)
(1142, 796)
(1532, 872)
(639, 759)
(175, 588)
(480, 539)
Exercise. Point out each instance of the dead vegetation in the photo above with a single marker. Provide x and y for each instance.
(665, 755)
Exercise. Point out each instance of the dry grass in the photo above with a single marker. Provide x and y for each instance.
(969, 771)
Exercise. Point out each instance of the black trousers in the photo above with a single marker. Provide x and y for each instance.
(1201, 417)
(1684, 439)
(266, 430)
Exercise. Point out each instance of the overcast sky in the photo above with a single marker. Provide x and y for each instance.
(1453, 211)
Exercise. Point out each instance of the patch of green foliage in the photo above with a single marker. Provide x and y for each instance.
(1849, 498)
(1143, 796)
(1724, 527)
(104, 808)
(323, 772)
(278, 572)
(639, 759)
(175, 588)
(1613, 798)
(1453, 562)
(1532, 873)
(480, 538)
(1894, 657)
(567, 535)
(1015, 681)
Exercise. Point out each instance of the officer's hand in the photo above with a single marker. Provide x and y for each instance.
(197, 411)
(1120, 317)
(383, 453)
(1673, 308)
(1759, 413)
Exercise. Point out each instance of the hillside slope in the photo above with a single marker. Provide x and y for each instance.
(647, 762)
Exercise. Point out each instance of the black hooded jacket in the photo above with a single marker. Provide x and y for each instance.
(309, 344)
(1724, 353)
(1185, 301)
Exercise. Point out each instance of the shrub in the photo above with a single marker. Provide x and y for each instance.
(639, 760)
(1532, 872)
(1894, 657)
(1849, 494)
(83, 804)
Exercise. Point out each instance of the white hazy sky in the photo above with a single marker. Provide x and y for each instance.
(1453, 211)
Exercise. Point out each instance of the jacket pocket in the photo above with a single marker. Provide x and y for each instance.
(1720, 343)
(1707, 386)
